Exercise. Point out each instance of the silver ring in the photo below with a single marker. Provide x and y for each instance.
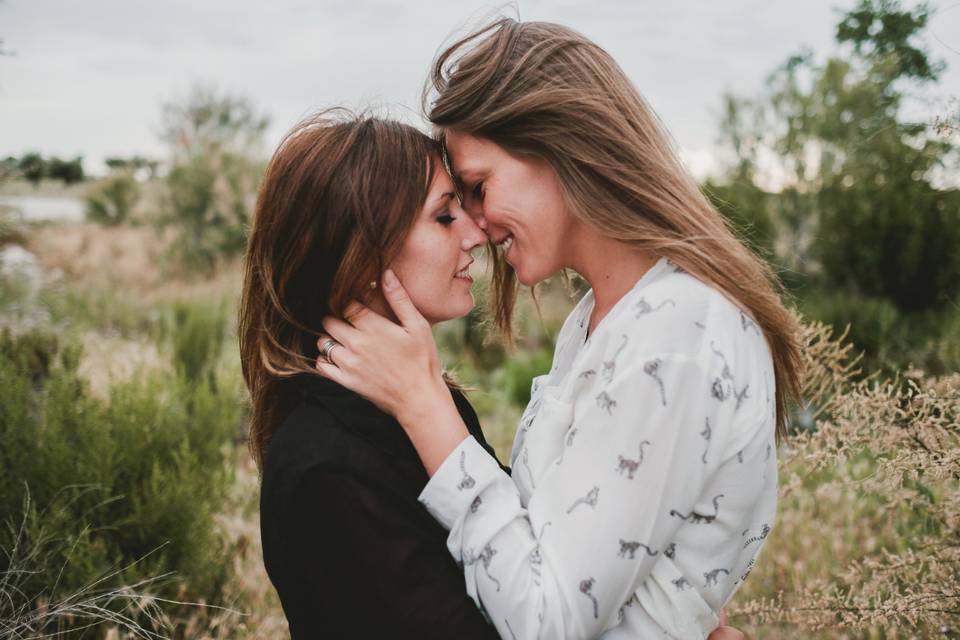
(327, 348)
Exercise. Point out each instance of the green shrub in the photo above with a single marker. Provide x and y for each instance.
(199, 332)
(111, 200)
(152, 462)
(519, 371)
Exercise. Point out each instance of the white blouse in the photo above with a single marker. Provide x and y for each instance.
(644, 474)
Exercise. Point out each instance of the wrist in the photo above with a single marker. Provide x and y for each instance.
(424, 404)
(434, 425)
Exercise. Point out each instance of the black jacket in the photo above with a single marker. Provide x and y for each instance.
(349, 549)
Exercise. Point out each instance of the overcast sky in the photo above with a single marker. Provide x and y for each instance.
(88, 77)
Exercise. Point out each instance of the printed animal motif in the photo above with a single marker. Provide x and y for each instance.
(671, 551)
(610, 366)
(725, 386)
(530, 415)
(586, 374)
(526, 463)
(747, 323)
(696, 518)
(740, 456)
(652, 369)
(741, 396)
(475, 504)
(630, 466)
(630, 547)
(681, 583)
(710, 577)
(629, 603)
(606, 403)
(643, 307)
(569, 443)
(586, 586)
(764, 532)
(767, 457)
(749, 568)
(536, 559)
(484, 557)
(699, 325)
(467, 481)
(590, 500)
(706, 436)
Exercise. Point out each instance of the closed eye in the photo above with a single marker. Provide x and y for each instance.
(478, 190)
(445, 219)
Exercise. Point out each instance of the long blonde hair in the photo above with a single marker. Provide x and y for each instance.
(545, 90)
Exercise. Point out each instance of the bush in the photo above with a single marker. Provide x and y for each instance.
(111, 200)
(518, 374)
(151, 461)
(198, 338)
(211, 188)
(866, 541)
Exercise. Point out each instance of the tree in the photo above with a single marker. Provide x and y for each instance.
(32, 167)
(215, 140)
(857, 205)
(69, 171)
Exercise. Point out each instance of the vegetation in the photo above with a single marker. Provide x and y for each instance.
(111, 201)
(862, 220)
(126, 490)
(214, 143)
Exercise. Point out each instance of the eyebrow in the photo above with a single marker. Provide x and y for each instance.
(443, 199)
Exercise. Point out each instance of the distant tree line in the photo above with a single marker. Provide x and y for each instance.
(33, 167)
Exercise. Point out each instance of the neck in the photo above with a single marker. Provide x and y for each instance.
(611, 267)
(379, 305)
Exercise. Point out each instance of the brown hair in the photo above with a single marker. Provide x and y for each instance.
(545, 90)
(337, 200)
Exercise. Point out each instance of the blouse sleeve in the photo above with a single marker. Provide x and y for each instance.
(598, 519)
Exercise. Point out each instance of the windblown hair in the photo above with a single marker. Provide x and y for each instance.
(338, 198)
(544, 90)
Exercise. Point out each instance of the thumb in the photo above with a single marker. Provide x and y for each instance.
(399, 301)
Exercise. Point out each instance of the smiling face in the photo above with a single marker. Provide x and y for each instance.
(518, 202)
(434, 260)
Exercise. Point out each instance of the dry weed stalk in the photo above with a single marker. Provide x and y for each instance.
(868, 538)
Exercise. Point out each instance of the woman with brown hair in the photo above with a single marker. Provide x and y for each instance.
(644, 469)
(346, 544)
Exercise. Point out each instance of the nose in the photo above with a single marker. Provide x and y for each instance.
(475, 210)
(471, 234)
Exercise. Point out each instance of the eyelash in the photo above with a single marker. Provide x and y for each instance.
(445, 219)
(478, 191)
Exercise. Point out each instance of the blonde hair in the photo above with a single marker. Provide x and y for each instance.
(544, 90)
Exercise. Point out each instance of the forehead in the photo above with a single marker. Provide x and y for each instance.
(470, 154)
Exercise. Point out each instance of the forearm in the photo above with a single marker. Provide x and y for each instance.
(434, 425)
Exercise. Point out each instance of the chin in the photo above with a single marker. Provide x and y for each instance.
(451, 313)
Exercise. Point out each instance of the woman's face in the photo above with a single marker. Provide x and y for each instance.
(433, 263)
(518, 202)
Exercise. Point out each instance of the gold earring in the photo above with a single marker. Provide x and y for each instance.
(373, 284)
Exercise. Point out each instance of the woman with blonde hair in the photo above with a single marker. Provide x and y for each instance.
(644, 470)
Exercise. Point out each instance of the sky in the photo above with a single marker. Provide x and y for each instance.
(89, 77)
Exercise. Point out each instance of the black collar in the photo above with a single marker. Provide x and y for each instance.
(357, 415)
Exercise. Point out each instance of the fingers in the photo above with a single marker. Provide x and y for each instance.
(327, 345)
(723, 617)
(357, 314)
(330, 371)
(400, 302)
(342, 332)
